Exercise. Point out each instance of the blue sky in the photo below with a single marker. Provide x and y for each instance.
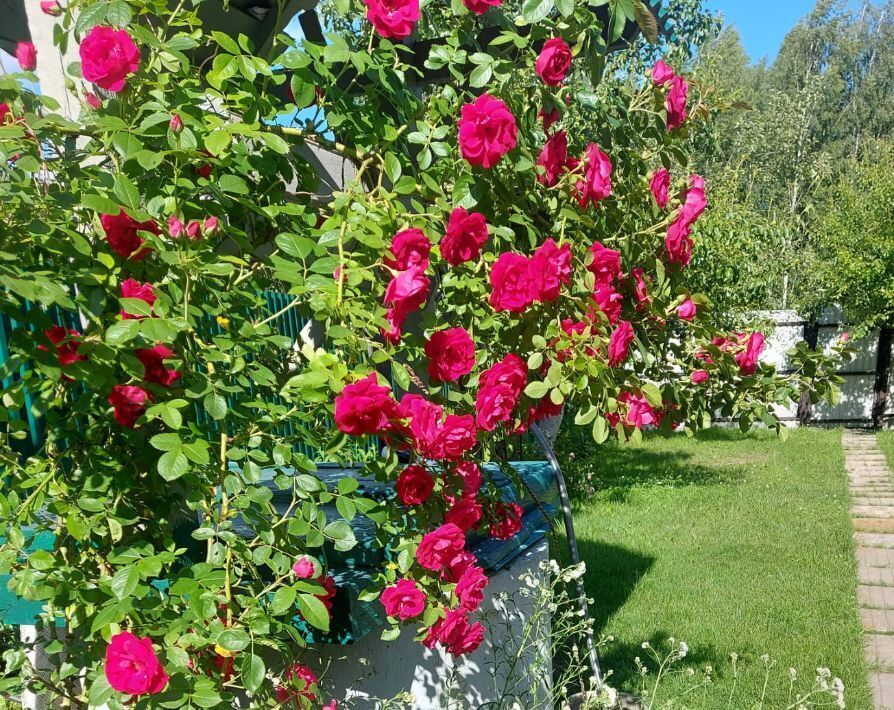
(762, 23)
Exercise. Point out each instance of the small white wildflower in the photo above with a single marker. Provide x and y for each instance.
(645, 644)
(684, 649)
(793, 674)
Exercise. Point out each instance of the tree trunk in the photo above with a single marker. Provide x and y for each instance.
(882, 375)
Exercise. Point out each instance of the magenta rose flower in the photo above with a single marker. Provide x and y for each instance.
(687, 310)
(470, 588)
(132, 667)
(619, 343)
(487, 131)
(128, 403)
(406, 292)
(465, 513)
(750, 356)
(511, 370)
(457, 635)
(548, 118)
(4, 112)
(554, 61)
(494, 405)
(414, 485)
(479, 7)
(108, 57)
(662, 73)
(596, 184)
(450, 353)
(455, 436)
(51, 8)
(297, 686)
(639, 412)
(305, 567)
(641, 288)
(550, 269)
(513, 286)
(410, 248)
(440, 546)
(395, 19)
(121, 234)
(659, 184)
(699, 376)
(606, 264)
(66, 342)
(465, 237)
(153, 360)
(553, 158)
(26, 55)
(131, 288)
(676, 103)
(364, 407)
(609, 301)
(506, 520)
(678, 242)
(403, 600)
(471, 477)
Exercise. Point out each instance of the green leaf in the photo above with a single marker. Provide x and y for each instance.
(600, 430)
(276, 143)
(122, 332)
(314, 611)
(173, 464)
(127, 192)
(233, 639)
(215, 405)
(118, 13)
(392, 167)
(126, 144)
(197, 452)
(283, 600)
(481, 75)
(125, 581)
(534, 11)
(136, 307)
(646, 21)
(253, 671)
(566, 7)
(536, 390)
(217, 141)
(226, 42)
(653, 394)
(166, 442)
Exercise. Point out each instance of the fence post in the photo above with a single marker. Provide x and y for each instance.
(811, 337)
(882, 374)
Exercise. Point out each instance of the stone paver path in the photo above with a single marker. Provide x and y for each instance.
(872, 507)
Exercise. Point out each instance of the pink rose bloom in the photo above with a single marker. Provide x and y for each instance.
(403, 600)
(511, 371)
(465, 237)
(305, 567)
(678, 241)
(479, 7)
(364, 407)
(548, 118)
(596, 184)
(93, 101)
(131, 288)
(639, 412)
(545, 408)
(687, 310)
(66, 342)
(641, 289)
(153, 360)
(487, 131)
(26, 55)
(395, 19)
(465, 513)
(4, 112)
(470, 588)
(457, 635)
(554, 61)
(553, 158)
(51, 8)
(121, 234)
(699, 377)
(494, 405)
(749, 358)
(619, 343)
(512, 283)
(659, 184)
(405, 293)
(129, 404)
(606, 264)
(414, 485)
(609, 302)
(331, 705)
(676, 103)
(410, 248)
(550, 268)
(661, 73)
(457, 565)
(455, 436)
(450, 353)
(470, 474)
(108, 57)
(297, 685)
(507, 520)
(440, 546)
(132, 667)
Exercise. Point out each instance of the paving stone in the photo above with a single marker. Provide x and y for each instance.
(883, 690)
(874, 525)
(880, 651)
(872, 511)
(864, 539)
(878, 620)
(875, 597)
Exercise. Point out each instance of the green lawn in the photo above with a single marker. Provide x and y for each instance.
(734, 544)
(886, 443)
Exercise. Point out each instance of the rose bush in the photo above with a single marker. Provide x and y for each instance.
(488, 264)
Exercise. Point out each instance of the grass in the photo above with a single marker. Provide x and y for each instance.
(735, 544)
(886, 444)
